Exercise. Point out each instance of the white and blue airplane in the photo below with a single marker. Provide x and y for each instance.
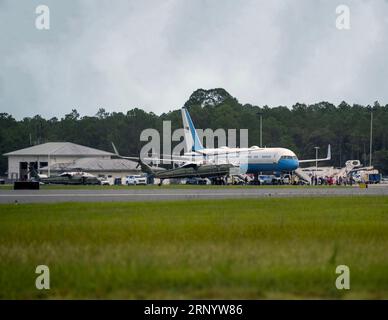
(251, 160)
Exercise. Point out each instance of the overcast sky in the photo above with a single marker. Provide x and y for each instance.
(154, 54)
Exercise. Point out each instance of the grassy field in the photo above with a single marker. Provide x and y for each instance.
(255, 249)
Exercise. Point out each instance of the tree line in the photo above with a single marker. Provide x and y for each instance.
(300, 128)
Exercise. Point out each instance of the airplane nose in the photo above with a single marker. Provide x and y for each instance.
(289, 164)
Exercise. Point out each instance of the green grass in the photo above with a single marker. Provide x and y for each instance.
(256, 248)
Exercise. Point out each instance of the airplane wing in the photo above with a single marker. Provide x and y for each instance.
(328, 157)
(170, 158)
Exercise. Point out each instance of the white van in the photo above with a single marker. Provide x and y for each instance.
(135, 180)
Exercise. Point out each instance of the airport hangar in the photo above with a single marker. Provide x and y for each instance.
(56, 157)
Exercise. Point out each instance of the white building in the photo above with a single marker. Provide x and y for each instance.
(49, 154)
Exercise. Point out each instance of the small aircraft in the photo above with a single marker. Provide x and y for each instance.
(215, 162)
(73, 177)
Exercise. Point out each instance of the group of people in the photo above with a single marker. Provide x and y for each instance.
(315, 180)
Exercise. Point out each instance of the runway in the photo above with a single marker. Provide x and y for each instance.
(192, 193)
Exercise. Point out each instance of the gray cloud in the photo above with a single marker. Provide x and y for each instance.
(153, 54)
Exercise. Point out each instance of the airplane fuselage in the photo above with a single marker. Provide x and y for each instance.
(249, 160)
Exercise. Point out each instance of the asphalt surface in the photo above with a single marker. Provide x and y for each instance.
(106, 195)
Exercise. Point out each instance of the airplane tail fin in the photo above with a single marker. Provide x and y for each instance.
(144, 167)
(193, 143)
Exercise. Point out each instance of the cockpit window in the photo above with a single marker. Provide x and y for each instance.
(289, 157)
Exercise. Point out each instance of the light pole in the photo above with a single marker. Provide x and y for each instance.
(48, 162)
(260, 113)
(371, 135)
(316, 160)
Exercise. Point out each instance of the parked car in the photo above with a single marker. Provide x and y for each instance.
(277, 180)
(104, 181)
(384, 180)
(374, 178)
(265, 180)
(135, 180)
(286, 179)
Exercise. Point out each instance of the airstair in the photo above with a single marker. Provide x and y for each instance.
(303, 175)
